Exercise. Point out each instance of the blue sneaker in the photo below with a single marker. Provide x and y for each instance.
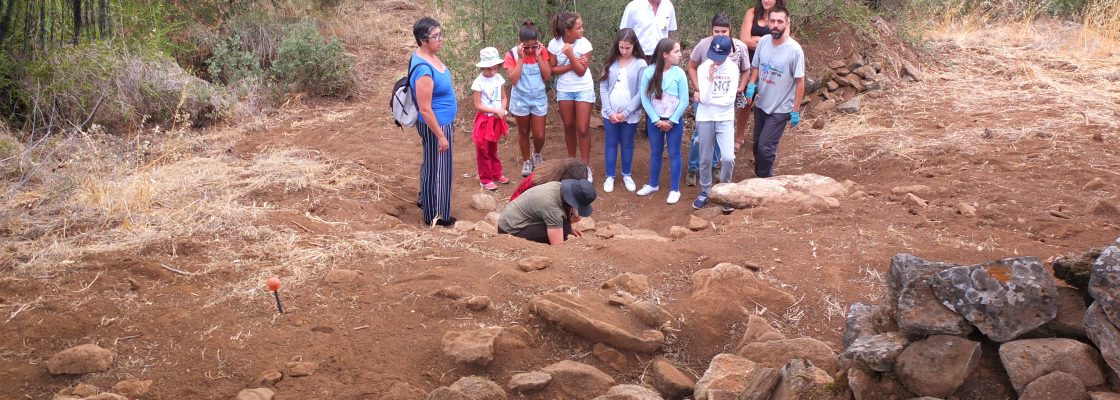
(701, 201)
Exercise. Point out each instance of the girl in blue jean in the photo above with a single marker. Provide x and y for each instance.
(664, 91)
(618, 89)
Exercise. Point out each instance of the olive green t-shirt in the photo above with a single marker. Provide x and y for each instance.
(543, 203)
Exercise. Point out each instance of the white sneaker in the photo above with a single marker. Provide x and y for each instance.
(590, 175)
(526, 168)
(608, 184)
(629, 182)
(537, 159)
(647, 190)
(674, 197)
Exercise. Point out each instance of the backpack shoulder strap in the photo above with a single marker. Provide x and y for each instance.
(408, 82)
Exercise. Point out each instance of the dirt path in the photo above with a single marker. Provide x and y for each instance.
(330, 187)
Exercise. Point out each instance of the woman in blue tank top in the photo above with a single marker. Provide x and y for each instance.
(435, 99)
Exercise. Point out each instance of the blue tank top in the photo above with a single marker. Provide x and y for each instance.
(444, 103)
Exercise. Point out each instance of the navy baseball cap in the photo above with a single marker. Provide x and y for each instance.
(720, 48)
(578, 193)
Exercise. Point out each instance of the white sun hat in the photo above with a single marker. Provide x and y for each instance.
(488, 57)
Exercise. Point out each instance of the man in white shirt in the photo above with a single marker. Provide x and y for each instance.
(652, 20)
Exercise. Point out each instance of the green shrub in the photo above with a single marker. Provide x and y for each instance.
(228, 63)
(305, 62)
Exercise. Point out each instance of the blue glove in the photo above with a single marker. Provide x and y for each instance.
(794, 118)
(750, 90)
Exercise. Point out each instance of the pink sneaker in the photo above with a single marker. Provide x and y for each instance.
(503, 180)
(490, 186)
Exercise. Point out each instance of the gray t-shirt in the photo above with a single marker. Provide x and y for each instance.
(543, 203)
(778, 67)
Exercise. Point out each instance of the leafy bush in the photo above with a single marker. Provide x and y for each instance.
(306, 62)
(229, 63)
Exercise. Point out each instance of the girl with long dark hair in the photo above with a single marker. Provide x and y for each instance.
(618, 90)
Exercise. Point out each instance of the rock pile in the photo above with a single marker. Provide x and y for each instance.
(842, 83)
(939, 322)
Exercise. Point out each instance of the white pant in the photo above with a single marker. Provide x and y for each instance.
(712, 133)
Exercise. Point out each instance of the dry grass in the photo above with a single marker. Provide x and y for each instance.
(1005, 83)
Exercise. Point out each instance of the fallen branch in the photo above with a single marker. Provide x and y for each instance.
(177, 271)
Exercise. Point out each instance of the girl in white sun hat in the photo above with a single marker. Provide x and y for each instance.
(491, 100)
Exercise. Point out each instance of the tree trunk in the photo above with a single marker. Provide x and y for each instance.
(9, 8)
(77, 21)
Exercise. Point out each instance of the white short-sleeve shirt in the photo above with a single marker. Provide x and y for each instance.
(651, 27)
(491, 90)
(569, 81)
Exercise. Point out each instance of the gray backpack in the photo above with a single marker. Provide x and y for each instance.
(402, 103)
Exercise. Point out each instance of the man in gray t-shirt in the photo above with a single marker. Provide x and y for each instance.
(778, 68)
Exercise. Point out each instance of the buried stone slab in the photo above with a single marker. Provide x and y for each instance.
(595, 322)
(1028, 359)
(876, 352)
(629, 392)
(920, 313)
(635, 284)
(1105, 335)
(1104, 283)
(1055, 386)
(529, 381)
(938, 365)
(81, 359)
(720, 296)
(802, 380)
(670, 381)
(576, 380)
(1002, 298)
(777, 353)
(471, 347)
(733, 377)
(479, 388)
(810, 192)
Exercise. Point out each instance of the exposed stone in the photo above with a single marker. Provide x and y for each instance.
(911, 70)
(471, 347)
(630, 392)
(921, 190)
(585, 224)
(696, 223)
(575, 380)
(81, 359)
(832, 85)
(611, 230)
(619, 299)
(1104, 283)
(529, 381)
(670, 381)
(643, 235)
(834, 64)
(905, 269)
(678, 232)
(84, 390)
(777, 353)
(1054, 386)
(1029, 359)
(913, 202)
(341, 276)
(863, 384)
(724, 295)
(296, 369)
(595, 323)
(966, 209)
(451, 292)
(938, 365)
(1003, 298)
(1070, 322)
(533, 263)
(1076, 269)
(1102, 207)
(478, 303)
(1094, 184)
(855, 61)
(758, 330)
(112, 396)
(1105, 335)
(479, 388)
(876, 352)
(485, 227)
(635, 284)
(484, 202)
(492, 217)
(613, 358)
(464, 226)
(812, 84)
(446, 393)
(850, 106)
(864, 320)
(513, 338)
(811, 192)
(403, 391)
(1103, 396)
(827, 105)
(651, 314)
(255, 394)
(134, 388)
(730, 376)
(865, 71)
(802, 380)
(921, 313)
(853, 81)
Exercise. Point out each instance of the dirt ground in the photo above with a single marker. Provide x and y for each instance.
(1007, 122)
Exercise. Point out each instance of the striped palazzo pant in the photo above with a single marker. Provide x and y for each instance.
(435, 174)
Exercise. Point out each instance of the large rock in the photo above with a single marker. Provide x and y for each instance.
(255, 394)
(938, 365)
(471, 347)
(911, 70)
(1105, 335)
(1076, 269)
(670, 381)
(722, 296)
(611, 357)
(133, 388)
(1070, 322)
(864, 320)
(1003, 298)
(729, 376)
(802, 380)
(758, 330)
(596, 322)
(906, 269)
(777, 353)
(1029, 359)
(403, 391)
(1103, 396)
(808, 191)
(635, 284)
(81, 359)
(920, 313)
(1104, 284)
(1055, 386)
(575, 380)
(651, 314)
(484, 202)
(533, 263)
(851, 106)
(876, 352)
(529, 381)
(630, 392)
(478, 388)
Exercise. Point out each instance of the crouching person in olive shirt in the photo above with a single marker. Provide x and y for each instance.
(545, 212)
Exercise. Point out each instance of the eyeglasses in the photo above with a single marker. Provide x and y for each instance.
(438, 37)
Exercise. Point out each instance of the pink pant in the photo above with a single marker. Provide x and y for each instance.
(489, 166)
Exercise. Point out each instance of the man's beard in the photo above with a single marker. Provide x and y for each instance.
(776, 34)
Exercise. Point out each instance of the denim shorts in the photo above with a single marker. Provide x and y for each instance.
(521, 106)
(586, 96)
